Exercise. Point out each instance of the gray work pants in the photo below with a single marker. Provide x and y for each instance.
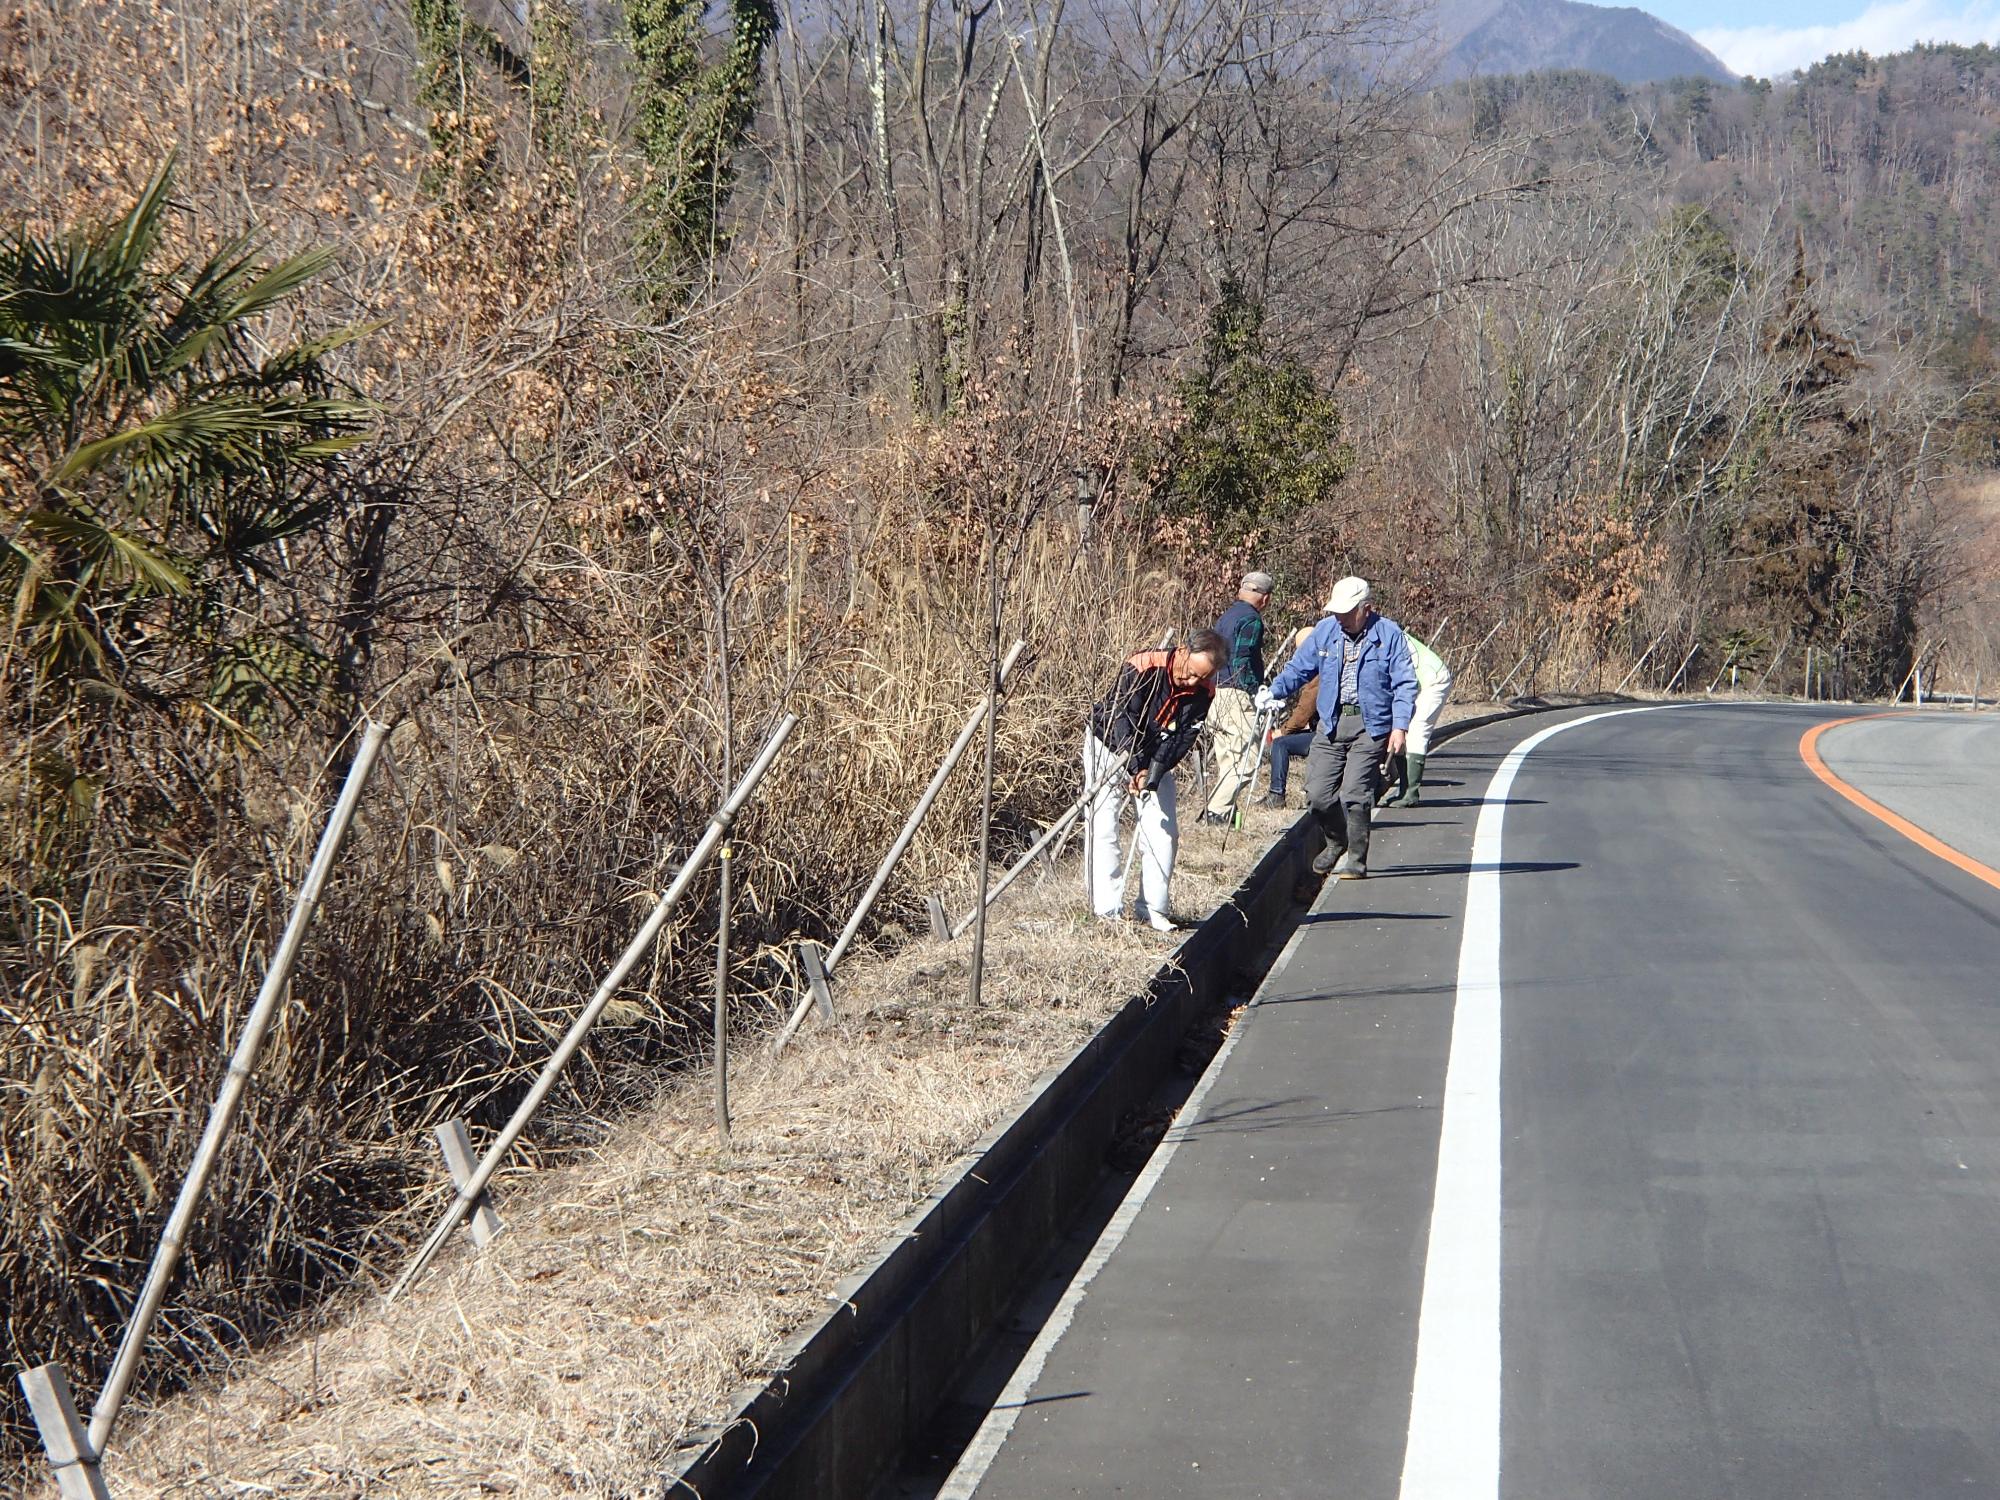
(1343, 771)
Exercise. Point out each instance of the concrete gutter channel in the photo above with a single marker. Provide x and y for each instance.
(862, 1386)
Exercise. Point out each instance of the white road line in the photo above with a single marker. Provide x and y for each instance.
(1453, 1451)
(985, 1446)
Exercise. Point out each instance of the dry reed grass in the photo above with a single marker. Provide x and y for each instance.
(639, 1285)
(500, 861)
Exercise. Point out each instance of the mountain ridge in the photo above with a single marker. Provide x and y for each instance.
(1488, 37)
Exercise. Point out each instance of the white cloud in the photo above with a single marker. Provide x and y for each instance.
(1885, 26)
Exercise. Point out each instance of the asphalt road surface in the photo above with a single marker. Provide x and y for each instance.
(1938, 769)
(1633, 1137)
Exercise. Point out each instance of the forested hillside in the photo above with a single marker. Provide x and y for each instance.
(578, 386)
(1888, 168)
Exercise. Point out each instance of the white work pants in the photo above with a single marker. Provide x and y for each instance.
(1430, 703)
(1104, 868)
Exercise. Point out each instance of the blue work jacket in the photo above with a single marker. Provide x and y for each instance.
(1387, 679)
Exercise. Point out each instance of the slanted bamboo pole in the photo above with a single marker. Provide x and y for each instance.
(1020, 866)
(104, 1415)
(711, 839)
(1643, 657)
(1685, 662)
(909, 831)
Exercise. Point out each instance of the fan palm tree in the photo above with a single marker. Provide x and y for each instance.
(152, 454)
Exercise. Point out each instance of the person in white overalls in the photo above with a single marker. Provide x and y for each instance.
(1406, 771)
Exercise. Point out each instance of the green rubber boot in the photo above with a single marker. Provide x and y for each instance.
(1395, 781)
(1415, 778)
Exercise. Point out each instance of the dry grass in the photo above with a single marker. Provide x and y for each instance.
(636, 1288)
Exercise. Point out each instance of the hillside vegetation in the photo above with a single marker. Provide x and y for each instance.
(578, 388)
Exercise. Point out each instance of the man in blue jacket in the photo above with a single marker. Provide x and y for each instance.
(1367, 694)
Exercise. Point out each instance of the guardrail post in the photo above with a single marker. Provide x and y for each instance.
(63, 1437)
(456, 1145)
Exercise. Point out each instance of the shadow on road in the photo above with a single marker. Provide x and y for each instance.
(1483, 802)
(1505, 867)
(1325, 918)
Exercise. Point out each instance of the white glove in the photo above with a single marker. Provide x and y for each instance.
(1264, 702)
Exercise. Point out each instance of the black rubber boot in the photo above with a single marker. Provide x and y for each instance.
(1354, 864)
(1332, 827)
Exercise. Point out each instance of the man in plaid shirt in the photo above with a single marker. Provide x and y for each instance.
(1242, 630)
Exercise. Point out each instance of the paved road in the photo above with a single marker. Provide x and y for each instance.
(1725, 1223)
(1936, 768)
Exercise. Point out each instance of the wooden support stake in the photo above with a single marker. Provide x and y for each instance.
(813, 961)
(456, 1145)
(940, 923)
(63, 1437)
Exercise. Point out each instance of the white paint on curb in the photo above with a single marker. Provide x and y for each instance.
(985, 1446)
(1453, 1448)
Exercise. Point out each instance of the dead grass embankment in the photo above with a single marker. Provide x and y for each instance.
(636, 1288)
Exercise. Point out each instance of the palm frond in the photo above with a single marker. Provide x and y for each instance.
(122, 559)
(302, 360)
(131, 243)
(278, 282)
(214, 436)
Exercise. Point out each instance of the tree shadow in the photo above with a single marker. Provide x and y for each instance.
(1292, 1114)
(1483, 802)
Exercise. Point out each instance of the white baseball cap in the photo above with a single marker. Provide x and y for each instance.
(1347, 594)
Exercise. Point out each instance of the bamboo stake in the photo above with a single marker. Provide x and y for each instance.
(711, 839)
(1684, 666)
(1643, 657)
(104, 1416)
(1473, 657)
(976, 983)
(1507, 681)
(896, 850)
(1774, 662)
(1916, 665)
(1020, 866)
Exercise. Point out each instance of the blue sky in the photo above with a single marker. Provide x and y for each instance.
(1772, 37)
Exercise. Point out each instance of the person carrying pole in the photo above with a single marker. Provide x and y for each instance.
(1367, 695)
(1137, 734)
(1242, 630)
(1406, 771)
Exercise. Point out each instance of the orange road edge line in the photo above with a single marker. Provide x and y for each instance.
(1809, 753)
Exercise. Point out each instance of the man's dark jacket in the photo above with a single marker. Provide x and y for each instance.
(1147, 718)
